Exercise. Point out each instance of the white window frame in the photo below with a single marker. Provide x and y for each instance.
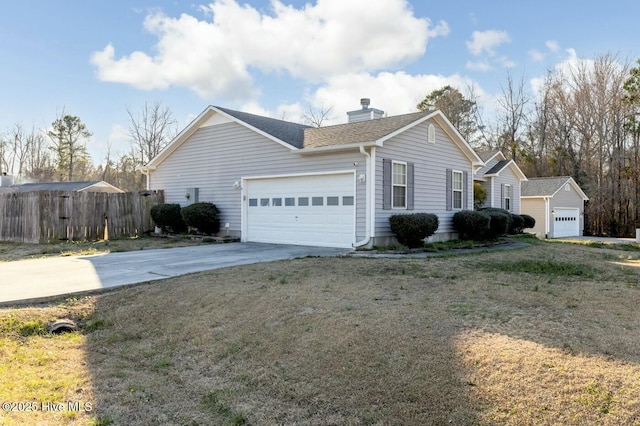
(455, 190)
(508, 196)
(394, 184)
(431, 134)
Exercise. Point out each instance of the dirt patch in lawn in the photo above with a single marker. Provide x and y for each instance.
(516, 337)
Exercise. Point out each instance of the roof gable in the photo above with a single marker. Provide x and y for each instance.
(487, 156)
(376, 132)
(547, 187)
(285, 133)
(310, 139)
(504, 164)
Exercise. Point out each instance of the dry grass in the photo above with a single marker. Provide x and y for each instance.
(10, 251)
(516, 337)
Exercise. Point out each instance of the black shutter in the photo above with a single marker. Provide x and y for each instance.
(465, 190)
(502, 196)
(448, 188)
(386, 184)
(410, 185)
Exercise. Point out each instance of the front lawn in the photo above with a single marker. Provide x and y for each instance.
(542, 335)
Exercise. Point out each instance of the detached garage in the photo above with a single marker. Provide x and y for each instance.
(557, 205)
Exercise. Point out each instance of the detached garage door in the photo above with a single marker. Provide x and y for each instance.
(314, 210)
(566, 222)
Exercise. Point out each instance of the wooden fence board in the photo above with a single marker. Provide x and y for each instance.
(52, 216)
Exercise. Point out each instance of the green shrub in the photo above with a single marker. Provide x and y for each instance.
(516, 225)
(472, 225)
(203, 216)
(500, 221)
(411, 229)
(529, 221)
(479, 195)
(168, 217)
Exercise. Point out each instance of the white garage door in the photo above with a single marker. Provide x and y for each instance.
(566, 222)
(314, 210)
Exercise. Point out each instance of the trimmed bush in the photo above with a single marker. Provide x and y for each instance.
(168, 217)
(203, 216)
(411, 229)
(472, 225)
(529, 221)
(500, 221)
(516, 224)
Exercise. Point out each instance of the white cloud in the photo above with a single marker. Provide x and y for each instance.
(552, 45)
(536, 55)
(486, 41)
(216, 57)
(483, 65)
(394, 93)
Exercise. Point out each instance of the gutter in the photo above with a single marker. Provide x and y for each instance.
(368, 213)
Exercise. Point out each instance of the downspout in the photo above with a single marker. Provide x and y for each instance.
(368, 213)
(546, 218)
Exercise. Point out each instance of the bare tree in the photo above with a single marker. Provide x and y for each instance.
(315, 117)
(151, 130)
(513, 102)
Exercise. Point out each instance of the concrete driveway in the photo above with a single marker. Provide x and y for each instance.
(56, 276)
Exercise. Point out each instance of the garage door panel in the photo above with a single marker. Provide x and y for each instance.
(566, 222)
(308, 210)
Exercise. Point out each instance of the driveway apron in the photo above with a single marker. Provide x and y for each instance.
(57, 276)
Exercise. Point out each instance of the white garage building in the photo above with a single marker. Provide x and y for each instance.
(557, 205)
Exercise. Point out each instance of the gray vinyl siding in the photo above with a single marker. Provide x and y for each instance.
(569, 199)
(430, 164)
(506, 177)
(215, 157)
(534, 207)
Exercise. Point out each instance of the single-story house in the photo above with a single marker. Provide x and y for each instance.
(79, 186)
(502, 179)
(281, 182)
(557, 205)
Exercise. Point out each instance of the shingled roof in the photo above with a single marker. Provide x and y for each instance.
(487, 155)
(359, 132)
(286, 131)
(547, 186)
(497, 167)
(97, 185)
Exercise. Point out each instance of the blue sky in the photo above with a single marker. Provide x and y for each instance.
(95, 58)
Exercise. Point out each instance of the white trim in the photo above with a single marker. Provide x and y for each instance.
(402, 163)
(453, 190)
(547, 213)
(504, 196)
(431, 134)
(493, 196)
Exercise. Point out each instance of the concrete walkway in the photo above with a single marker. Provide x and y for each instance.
(29, 280)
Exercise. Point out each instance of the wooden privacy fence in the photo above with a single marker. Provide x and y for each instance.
(53, 216)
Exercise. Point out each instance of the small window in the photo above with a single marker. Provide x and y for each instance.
(303, 201)
(253, 202)
(264, 202)
(507, 197)
(431, 134)
(456, 188)
(333, 201)
(317, 201)
(347, 200)
(399, 184)
(276, 202)
(289, 201)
